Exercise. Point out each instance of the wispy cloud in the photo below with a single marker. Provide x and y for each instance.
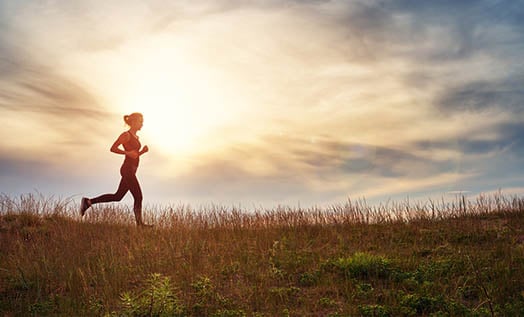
(47, 110)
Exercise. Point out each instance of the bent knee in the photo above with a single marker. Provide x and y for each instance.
(118, 196)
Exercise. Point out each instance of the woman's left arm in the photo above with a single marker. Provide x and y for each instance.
(144, 150)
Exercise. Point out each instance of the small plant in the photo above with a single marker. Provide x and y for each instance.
(156, 299)
(203, 288)
(364, 289)
(284, 294)
(207, 300)
(326, 302)
(308, 279)
(416, 305)
(374, 311)
(204, 293)
(362, 265)
(229, 313)
(43, 307)
(95, 306)
(286, 259)
(441, 270)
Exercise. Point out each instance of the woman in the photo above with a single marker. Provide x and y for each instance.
(129, 140)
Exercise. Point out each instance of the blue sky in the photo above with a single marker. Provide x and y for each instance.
(264, 102)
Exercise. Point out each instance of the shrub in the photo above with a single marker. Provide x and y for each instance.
(362, 265)
(414, 304)
(157, 298)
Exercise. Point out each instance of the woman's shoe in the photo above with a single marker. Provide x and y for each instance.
(84, 205)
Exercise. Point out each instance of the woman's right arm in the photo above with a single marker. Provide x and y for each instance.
(123, 138)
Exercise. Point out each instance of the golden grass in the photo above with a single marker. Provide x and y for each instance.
(464, 257)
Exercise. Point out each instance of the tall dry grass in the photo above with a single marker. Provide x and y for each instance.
(462, 257)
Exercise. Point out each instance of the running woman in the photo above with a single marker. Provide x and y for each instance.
(129, 140)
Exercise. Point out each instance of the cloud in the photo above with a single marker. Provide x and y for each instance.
(38, 89)
(507, 136)
(25, 174)
(506, 95)
(513, 138)
(281, 168)
(37, 94)
(11, 167)
(34, 37)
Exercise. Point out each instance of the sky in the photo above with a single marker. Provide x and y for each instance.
(264, 103)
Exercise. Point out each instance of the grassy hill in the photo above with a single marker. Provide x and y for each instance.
(464, 258)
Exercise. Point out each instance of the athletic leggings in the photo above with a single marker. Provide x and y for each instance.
(129, 182)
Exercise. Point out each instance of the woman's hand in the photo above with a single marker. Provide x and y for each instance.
(145, 149)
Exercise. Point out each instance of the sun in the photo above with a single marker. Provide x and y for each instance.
(183, 103)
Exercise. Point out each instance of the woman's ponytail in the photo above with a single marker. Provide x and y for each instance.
(128, 119)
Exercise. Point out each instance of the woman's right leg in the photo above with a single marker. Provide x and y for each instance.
(120, 193)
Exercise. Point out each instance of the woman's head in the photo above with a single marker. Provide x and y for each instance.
(134, 120)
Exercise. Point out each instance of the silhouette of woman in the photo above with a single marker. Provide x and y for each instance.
(129, 182)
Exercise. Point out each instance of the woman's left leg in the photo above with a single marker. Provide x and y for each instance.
(136, 191)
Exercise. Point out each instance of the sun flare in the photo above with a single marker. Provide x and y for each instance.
(183, 103)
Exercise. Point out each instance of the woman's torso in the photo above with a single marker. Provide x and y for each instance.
(133, 144)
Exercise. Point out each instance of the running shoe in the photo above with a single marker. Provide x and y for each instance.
(84, 205)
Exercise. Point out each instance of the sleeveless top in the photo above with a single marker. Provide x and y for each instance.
(132, 144)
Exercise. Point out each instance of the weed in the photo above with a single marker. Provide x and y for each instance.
(309, 279)
(157, 298)
(203, 288)
(285, 259)
(44, 307)
(361, 265)
(440, 270)
(416, 305)
(229, 313)
(374, 311)
(364, 289)
(326, 302)
(95, 306)
(284, 294)
(204, 293)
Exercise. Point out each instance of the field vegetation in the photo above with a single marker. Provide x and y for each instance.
(458, 258)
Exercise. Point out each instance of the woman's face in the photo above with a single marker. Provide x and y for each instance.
(137, 123)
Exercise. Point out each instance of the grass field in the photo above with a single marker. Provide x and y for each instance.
(460, 258)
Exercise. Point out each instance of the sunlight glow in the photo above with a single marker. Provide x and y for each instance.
(183, 103)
